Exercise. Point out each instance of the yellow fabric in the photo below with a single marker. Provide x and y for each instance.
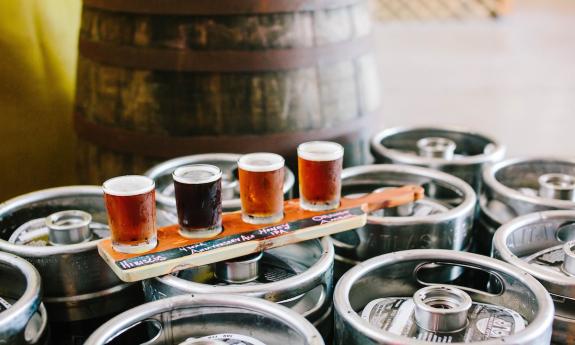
(38, 48)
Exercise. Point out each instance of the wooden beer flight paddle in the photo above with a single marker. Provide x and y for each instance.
(175, 252)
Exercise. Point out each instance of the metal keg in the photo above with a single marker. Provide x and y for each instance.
(399, 298)
(442, 220)
(457, 152)
(516, 187)
(23, 318)
(541, 244)
(57, 231)
(209, 320)
(298, 276)
(227, 162)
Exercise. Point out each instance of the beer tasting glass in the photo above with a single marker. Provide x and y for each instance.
(131, 205)
(319, 173)
(198, 190)
(261, 187)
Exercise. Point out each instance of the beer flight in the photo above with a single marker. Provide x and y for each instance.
(131, 205)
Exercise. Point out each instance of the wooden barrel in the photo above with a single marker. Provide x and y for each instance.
(160, 79)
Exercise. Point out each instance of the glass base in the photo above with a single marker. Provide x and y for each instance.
(262, 220)
(136, 249)
(318, 205)
(200, 233)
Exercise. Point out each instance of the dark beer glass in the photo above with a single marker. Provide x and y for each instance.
(198, 190)
(319, 173)
(131, 205)
(261, 187)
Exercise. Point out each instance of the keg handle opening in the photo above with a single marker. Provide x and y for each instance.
(495, 283)
(565, 232)
(153, 324)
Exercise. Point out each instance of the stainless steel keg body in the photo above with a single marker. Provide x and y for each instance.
(457, 152)
(78, 285)
(516, 187)
(443, 220)
(227, 162)
(25, 321)
(397, 275)
(298, 276)
(179, 318)
(538, 243)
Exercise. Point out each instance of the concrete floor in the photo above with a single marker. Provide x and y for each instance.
(512, 78)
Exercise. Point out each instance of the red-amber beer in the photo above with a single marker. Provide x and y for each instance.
(131, 205)
(198, 190)
(261, 187)
(319, 172)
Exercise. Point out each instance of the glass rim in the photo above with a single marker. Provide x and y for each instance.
(217, 173)
(330, 151)
(276, 162)
(141, 185)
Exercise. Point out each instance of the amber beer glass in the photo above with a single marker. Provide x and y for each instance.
(261, 187)
(319, 173)
(131, 204)
(198, 190)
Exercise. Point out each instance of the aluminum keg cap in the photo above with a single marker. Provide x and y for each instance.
(569, 258)
(240, 270)
(69, 227)
(441, 308)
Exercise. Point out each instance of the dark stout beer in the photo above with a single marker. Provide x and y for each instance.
(261, 187)
(319, 173)
(131, 205)
(199, 200)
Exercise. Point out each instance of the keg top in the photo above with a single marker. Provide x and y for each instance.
(227, 162)
(424, 146)
(401, 267)
(535, 243)
(15, 318)
(447, 196)
(285, 273)
(210, 304)
(516, 183)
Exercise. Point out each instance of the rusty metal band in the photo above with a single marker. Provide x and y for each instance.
(163, 146)
(222, 60)
(215, 7)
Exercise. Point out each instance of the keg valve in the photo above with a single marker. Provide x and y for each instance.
(239, 270)
(69, 227)
(569, 259)
(557, 186)
(436, 147)
(441, 308)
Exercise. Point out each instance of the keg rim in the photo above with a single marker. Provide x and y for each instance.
(289, 317)
(498, 190)
(555, 282)
(171, 164)
(279, 290)
(397, 156)
(29, 302)
(40, 195)
(467, 206)
(543, 319)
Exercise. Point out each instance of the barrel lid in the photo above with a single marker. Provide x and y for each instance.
(436, 146)
(541, 244)
(519, 186)
(227, 162)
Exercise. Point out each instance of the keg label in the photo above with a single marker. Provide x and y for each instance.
(255, 235)
(228, 338)
(4, 305)
(397, 316)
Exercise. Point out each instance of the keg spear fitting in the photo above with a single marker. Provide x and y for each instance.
(441, 308)
(240, 270)
(69, 227)
(557, 186)
(436, 147)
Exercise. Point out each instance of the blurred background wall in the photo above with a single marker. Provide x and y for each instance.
(512, 77)
(38, 42)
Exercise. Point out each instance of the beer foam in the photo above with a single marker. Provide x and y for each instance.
(128, 185)
(261, 162)
(197, 174)
(320, 151)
